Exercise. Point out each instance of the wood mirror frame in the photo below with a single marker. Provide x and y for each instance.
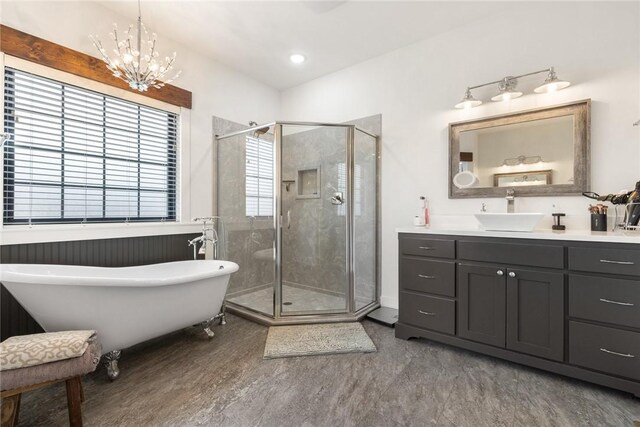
(581, 112)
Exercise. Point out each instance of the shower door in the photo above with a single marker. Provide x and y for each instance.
(314, 215)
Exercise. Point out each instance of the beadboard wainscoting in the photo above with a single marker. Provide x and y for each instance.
(120, 252)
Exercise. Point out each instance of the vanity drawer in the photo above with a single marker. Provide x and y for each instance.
(512, 253)
(430, 276)
(605, 349)
(436, 248)
(606, 300)
(435, 313)
(602, 260)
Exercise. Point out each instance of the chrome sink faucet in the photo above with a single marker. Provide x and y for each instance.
(511, 200)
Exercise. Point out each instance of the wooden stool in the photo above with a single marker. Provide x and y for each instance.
(16, 381)
(75, 397)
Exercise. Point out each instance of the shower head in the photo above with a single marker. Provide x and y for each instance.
(260, 131)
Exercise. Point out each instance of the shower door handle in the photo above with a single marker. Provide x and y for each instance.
(288, 219)
(337, 198)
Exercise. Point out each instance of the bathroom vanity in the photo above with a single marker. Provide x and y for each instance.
(568, 303)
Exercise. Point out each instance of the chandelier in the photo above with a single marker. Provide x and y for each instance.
(135, 59)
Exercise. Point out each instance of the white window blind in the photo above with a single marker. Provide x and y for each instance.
(75, 155)
(259, 177)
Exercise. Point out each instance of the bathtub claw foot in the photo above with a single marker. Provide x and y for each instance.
(223, 315)
(111, 363)
(208, 331)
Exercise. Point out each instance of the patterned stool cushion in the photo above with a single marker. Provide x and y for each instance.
(22, 377)
(30, 350)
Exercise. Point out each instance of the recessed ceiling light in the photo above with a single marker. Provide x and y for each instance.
(297, 58)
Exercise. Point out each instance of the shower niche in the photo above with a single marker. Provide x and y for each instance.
(303, 256)
(309, 183)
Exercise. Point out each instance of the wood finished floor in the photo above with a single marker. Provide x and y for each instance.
(185, 379)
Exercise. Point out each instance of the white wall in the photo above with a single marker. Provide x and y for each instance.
(217, 90)
(594, 45)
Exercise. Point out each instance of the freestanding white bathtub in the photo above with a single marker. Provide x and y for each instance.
(126, 305)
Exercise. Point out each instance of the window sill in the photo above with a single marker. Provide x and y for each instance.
(38, 233)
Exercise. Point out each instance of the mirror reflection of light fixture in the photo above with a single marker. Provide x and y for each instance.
(522, 160)
(468, 101)
(507, 88)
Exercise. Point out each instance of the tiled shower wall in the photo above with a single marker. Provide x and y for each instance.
(121, 252)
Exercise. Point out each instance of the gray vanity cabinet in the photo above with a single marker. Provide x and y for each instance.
(481, 303)
(515, 308)
(535, 312)
(568, 307)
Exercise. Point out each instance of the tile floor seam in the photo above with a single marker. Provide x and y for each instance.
(515, 399)
(444, 404)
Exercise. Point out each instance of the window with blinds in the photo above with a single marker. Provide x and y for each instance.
(74, 155)
(259, 177)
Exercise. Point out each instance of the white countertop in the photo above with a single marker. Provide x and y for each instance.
(575, 235)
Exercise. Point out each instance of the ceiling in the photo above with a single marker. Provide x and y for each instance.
(257, 37)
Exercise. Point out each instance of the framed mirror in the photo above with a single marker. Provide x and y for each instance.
(541, 152)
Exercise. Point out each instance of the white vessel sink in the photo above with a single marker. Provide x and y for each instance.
(509, 221)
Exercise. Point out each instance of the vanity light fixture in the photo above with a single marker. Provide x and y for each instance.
(468, 101)
(552, 83)
(507, 88)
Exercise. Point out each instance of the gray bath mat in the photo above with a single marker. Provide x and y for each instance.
(312, 340)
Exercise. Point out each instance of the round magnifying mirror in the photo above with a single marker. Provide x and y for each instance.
(465, 179)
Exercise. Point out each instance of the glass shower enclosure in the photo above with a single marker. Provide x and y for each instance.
(300, 207)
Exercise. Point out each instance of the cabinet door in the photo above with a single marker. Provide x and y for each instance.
(535, 313)
(481, 303)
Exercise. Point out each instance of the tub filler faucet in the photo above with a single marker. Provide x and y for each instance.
(204, 238)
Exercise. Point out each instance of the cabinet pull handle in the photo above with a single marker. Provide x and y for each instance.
(426, 248)
(512, 274)
(500, 273)
(608, 261)
(631, 356)
(426, 313)
(628, 304)
(426, 277)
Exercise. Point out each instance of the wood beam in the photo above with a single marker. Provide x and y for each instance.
(34, 49)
